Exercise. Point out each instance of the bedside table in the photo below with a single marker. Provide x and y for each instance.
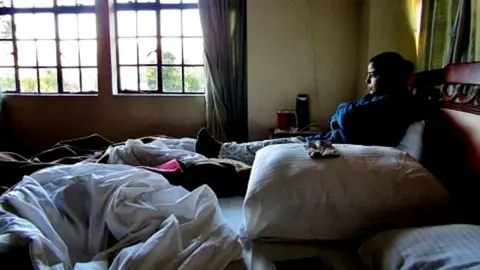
(276, 134)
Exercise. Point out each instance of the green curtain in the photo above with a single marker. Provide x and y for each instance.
(447, 33)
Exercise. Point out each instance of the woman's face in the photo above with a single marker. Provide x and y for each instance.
(374, 80)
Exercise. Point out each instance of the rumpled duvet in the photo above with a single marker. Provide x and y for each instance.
(159, 151)
(99, 216)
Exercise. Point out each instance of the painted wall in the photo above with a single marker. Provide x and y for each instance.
(300, 46)
(39, 122)
(385, 26)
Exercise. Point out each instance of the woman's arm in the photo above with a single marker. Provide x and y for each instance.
(337, 119)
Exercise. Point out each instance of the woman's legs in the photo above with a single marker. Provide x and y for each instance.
(245, 152)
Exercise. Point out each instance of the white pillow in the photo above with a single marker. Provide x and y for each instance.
(366, 189)
(439, 247)
(412, 141)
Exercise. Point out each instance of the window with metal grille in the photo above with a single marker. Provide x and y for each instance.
(160, 46)
(48, 46)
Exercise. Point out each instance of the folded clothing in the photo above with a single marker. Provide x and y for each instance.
(321, 149)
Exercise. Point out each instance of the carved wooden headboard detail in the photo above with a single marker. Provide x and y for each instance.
(452, 133)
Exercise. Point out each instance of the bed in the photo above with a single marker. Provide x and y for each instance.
(451, 151)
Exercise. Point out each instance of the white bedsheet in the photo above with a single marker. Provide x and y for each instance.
(68, 215)
(157, 152)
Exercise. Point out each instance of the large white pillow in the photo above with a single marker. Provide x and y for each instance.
(439, 247)
(366, 189)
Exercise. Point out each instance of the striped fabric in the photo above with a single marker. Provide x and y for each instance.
(438, 247)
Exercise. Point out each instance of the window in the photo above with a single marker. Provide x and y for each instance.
(48, 46)
(160, 46)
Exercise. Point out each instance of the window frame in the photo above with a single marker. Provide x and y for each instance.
(108, 72)
(56, 10)
(156, 6)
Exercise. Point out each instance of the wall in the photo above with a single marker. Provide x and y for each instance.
(39, 122)
(299, 46)
(385, 26)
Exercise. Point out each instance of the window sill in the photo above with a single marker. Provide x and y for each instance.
(159, 95)
(6, 95)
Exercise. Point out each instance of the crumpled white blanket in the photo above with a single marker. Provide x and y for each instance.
(69, 215)
(157, 152)
(179, 143)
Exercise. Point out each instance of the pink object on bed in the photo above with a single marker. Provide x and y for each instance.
(171, 166)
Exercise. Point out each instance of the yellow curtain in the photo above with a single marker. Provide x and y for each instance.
(414, 11)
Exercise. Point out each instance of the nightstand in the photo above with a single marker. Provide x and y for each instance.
(276, 134)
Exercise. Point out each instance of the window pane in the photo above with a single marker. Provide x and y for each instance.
(67, 26)
(193, 51)
(6, 53)
(169, 1)
(48, 81)
(71, 80)
(146, 1)
(5, 3)
(128, 78)
(43, 3)
(148, 79)
(45, 25)
(146, 49)
(189, 1)
(171, 51)
(66, 2)
(88, 52)
(28, 80)
(86, 2)
(27, 55)
(171, 24)
(127, 50)
(7, 79)
(6, 27)
(87, 26)
(125, 1)
(89, 79)
(191, 23)
(23, 3)
(47, 53)
(147, 21)
(32, 3)
(194, 79)
(25, 26)
(172, 79)
(69, 52)
(126, 22)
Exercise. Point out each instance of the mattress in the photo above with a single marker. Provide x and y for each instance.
(261, 255)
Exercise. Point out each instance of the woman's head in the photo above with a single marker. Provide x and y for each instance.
(388, 72)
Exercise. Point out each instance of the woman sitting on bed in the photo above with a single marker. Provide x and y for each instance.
(379, 118)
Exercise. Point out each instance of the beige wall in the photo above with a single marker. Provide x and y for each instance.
(385, 26)
(299, 46)
(38, 122)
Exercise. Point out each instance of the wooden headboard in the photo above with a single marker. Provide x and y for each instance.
(452, 132)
